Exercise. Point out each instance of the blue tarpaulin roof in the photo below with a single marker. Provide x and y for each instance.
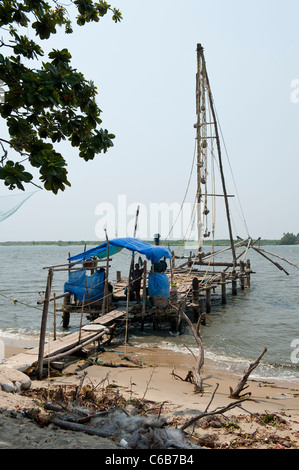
(152, 252)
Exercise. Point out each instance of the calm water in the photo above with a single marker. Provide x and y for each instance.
(266, 315)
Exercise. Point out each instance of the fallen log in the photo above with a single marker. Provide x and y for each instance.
(241, 385)
(70, 426)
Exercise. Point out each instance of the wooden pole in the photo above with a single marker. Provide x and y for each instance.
(195, 298)
(127, 310)
(54, 322)
(271, 260)
(242, 279)
(129, 281)
(199, 154)
(105, 299)
(44, 325)
(171, 267)
(201, 54)
(82, 310)
(223, 288)
(234, 282)
(143, 294)
(248, 271)
(277, 256)
(208, 300)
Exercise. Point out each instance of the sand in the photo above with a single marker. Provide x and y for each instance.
(150, 378)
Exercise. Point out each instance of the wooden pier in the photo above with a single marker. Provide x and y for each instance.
(57, 349)
(194, 285)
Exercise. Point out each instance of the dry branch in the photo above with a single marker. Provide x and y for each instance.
(211, 413)
(194, 376)
(79, 427)
(241, 385)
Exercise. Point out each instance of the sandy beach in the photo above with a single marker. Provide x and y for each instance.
(268, 419)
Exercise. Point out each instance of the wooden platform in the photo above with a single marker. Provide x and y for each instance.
(25, 360)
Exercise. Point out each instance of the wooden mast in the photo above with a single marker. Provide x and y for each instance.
(205, 78)
(199, 154)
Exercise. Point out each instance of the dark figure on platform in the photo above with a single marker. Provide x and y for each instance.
(136, 284)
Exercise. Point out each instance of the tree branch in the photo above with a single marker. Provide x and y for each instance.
(241, 385)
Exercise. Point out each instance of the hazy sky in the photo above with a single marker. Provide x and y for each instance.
(144, 69)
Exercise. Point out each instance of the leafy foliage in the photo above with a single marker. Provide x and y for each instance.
(289, 239)
(43, 106)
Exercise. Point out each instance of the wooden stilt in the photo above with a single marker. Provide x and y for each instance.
(54, 321)
(201, 305)
(44, 325)
(65, 317)
(82, 310)
(223, 288)
(208, 300)
(143, 294)
(106, 291)
(242, 279)
(195, 298)
(248, 270)
(234, 282)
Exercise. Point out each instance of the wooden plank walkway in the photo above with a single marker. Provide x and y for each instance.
(25, 360)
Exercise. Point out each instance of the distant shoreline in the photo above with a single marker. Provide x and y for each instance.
(98, 242)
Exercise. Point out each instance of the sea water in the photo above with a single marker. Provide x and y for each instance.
(264, 316)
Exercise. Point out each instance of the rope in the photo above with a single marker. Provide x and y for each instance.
(225, 148)
(19, 302)
(186, 192)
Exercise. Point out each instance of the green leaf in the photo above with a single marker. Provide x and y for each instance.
(50, 101)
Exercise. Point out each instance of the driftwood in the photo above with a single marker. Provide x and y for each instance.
(79, 427)
(241, 385)
(212, 413)
(193, 376)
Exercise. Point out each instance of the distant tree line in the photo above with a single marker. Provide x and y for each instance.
(289, 239)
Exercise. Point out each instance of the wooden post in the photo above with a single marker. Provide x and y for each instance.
(106, 291)
(66, 316)
(223, 288)
(54, 321)
(242, 279)
(248, 270)
(129, 283)
(195, 298)
(200, 58)
(44, 325)
(208, 300)
(66, 305)
(143, 295)
(174, 295)
(234, 282)
(82, 310)
(171, 267)
(201, 305)
(118, 276)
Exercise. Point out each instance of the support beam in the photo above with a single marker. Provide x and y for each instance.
(44, 325)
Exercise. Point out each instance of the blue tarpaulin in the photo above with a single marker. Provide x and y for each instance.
(152, 252)
(78, 281)
(158, 285)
